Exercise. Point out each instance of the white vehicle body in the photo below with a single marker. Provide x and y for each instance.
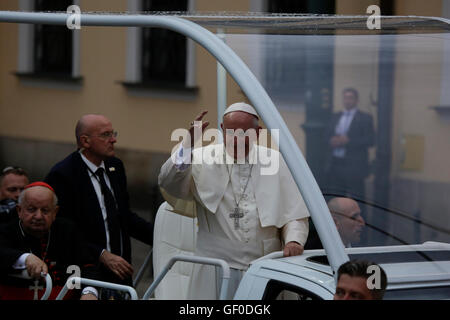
(311, 277)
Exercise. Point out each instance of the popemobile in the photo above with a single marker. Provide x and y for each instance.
(367, 106)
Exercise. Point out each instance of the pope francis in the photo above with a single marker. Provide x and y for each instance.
(243, 214)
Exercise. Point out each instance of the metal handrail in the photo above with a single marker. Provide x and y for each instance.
(95, 283)
(272, 255)
(48, 282)
(142, 269)
(194, 259)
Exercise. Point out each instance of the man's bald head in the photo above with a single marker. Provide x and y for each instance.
(87, 124)
(341, 205)
(347, 216)
(96, 137)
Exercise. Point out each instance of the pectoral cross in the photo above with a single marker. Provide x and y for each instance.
(36, 289)
(236, 215)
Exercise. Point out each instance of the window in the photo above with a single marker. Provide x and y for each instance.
(48, 51)
(163, 51)
(288, 62)
(52, 44)
(302, 6)
(277, 290)
(160, 60)
(425, 293)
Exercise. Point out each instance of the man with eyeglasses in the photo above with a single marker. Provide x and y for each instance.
(91, 186)
(350, 224)
(12, 182)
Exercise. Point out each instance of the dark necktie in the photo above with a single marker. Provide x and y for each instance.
(112, 214)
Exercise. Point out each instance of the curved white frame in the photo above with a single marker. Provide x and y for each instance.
(250, 86)
(95, 283)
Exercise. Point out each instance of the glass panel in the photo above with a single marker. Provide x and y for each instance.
(434, 293)
(389, 151)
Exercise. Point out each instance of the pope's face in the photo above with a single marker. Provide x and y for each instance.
(12, 185)
(37, 211)
(352, 288)
(241, 131)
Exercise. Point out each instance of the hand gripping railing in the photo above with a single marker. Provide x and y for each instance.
(202, 260)
(95, 283)
(48, 282)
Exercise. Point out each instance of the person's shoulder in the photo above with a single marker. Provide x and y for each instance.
(66, 163)
(114, 160)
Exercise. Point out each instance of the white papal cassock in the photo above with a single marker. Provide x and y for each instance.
(273, 209)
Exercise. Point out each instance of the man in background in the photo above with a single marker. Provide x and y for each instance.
(349, 136)
(91, 186)
(346, 215)
(360, 280)
(12, 182)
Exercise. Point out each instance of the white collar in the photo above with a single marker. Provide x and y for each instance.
(92, 167)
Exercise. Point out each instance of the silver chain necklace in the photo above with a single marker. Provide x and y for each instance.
(237, 213)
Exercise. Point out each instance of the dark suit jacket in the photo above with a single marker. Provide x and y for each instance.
(361, 136)
(78, 201)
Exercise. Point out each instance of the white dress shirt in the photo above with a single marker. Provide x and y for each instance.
(342, 129)
(98, 191)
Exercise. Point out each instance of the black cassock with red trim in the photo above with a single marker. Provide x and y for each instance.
(62, 247)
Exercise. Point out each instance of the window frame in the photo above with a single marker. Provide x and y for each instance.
(26, 46)
(133, 73)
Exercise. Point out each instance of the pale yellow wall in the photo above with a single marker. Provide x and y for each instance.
(419, 7)
(294, 120)
(143, 123)
(417, 88)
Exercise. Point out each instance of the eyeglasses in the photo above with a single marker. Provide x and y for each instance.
(106, 135)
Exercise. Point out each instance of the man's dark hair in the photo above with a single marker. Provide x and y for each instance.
(360, 268)
(352, 90)
(12, 170)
